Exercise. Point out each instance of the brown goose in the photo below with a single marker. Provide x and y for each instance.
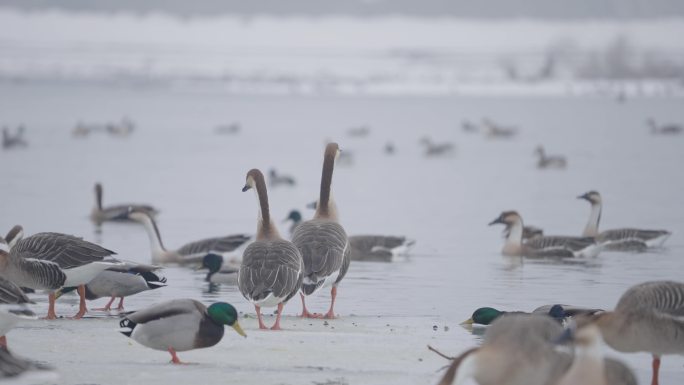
(649, 317)
(271, 270)
(323, 242)
(542, 246)
(619, 239)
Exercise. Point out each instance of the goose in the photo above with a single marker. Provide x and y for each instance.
(79, 261)
(13, 303)
(529, 232)
(101, 214)
(271, 269)
(519, 349)
(626, 239)
(549, 161)
(647, 318)
(275, 180)
(10, 141)
(192, 252)
(120, 282)
(665, 129)
(497, 131)
(23, 371)
(544, 246)
(122, 129)
(487, 315)
(219, 270)
(322, 241)
(180, 325)
(437, 149)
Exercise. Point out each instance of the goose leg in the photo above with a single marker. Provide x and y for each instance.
(108, 306)
(174, 357)
(331, 313)
(305, 313)
(656, 368)
(120, 307)
(261, 322)
(82, 309)
(280, 312)
(3, 342)
(51, 307)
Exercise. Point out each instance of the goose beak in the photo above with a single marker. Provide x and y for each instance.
(469, 321)
(238, 329)
(247, 187)
(583, 196)
(496, 221)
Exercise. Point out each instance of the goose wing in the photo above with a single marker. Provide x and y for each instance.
(662, 297)
(322, 244)
(217, 245)
(166, 310)
(551, 244)
(626, 235)
(11, 293)
(65, 250)
(270, 267)
(33, 273)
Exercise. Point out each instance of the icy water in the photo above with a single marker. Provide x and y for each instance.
(387, 311)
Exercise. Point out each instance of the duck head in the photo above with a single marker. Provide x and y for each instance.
(225, 314)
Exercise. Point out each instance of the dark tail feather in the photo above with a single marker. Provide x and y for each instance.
(309, 289)
(127, 327)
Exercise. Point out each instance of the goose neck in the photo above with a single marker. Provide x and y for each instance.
(326, 205)
(592, 227)
(265, 227)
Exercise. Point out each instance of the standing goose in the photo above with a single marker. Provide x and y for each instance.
(180, 325)
(80, 261)
(271, 270)
(190, 253)
(12, 304)
(323, 241)
(543, 246)
(619, 239)
(649, 317)
(120, 282)
(115, 213)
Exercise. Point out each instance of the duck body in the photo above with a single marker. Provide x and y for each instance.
(380, 248)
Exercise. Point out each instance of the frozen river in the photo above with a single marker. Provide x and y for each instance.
(176, 161)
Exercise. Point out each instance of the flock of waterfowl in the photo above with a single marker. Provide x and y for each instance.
(556, 344)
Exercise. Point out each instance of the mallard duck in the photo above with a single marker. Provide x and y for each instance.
(487, 315)
(323, 242)
(192, 252)
(271, 269)
(48, 261)
(219, 270)
(544, 246)
(101, 213)
(647, 318)
(619, 239)
(180, 325)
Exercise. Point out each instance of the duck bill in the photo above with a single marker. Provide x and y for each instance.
(238, 329)
(469, 321)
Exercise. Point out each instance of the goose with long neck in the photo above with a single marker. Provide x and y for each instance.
(647, 318)
(271, 269)
(323, 242)
(542, 246)
(192, 252)
(625, 239)
(120, 212)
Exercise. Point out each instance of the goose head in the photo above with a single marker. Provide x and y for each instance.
(483, 316)
(295, 216)
(212, 262)
(14, 235)
(332, 149)
(225, 314)
(252, 176)
(592, 197)
(507, 218)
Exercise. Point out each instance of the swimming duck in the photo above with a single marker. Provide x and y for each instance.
(487, 315)
(544, 246)
(180, 325)
(219, 270)
(627, 239)
(323, 242)
(271, 269)
(115, 213)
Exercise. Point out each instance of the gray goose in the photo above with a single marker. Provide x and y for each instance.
(649, 317)
(322, 241)
(271, 269)
(38, 262)
(626, 239)
(542, 246)
(192, 252)
(518, 349)
(12, 303)
(101, 213)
